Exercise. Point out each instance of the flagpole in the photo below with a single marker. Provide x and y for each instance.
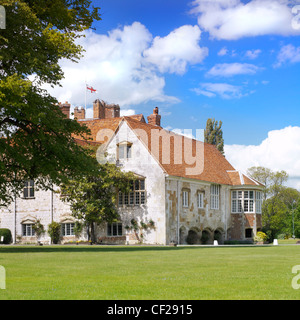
(85, 98)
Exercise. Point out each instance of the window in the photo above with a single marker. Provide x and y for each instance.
(67, 229)
(28, 191)
(214, 196)
(200, 197)
(27, 230)
(243, 201)
(185, 199)
(114, 229)
(248, 201)
(258, 202)
(124, 151)
(248, 233)
(136, 195)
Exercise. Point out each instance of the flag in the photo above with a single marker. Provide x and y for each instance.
(91, 89)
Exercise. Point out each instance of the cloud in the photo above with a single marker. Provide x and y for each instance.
(288, 53)
(115, 65)
(233, 19)
(279, 151)
(178, 49)
(252, 54)
(127, 112)
(224, 90)
(223, 52)
(232, 69)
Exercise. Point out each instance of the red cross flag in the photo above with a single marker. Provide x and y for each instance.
(91, 89)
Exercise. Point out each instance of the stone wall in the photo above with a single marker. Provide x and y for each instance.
(192, 217)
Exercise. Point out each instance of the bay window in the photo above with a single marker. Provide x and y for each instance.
(248, 201)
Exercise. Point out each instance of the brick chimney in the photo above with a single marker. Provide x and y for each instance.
(65, 108)
(154, 118)
(79, 114)
(102, 110)
(98, 110)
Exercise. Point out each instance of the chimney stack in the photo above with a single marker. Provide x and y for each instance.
(98, 111)
(79, 114)
(102, 110)
(154, 118)
(65, 108)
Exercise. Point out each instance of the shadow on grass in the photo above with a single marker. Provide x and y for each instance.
(101, 248)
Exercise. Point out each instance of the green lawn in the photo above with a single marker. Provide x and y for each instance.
(116, 273)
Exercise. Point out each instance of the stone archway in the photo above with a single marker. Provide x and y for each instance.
(219, 235)
(194, 236)
(207, 236)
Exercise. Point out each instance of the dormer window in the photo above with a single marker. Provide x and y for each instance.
(124, 150)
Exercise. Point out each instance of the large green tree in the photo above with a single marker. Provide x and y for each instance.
(280, 202)
(213, 134)
(273, 180)
(93, 198)
(36, 138)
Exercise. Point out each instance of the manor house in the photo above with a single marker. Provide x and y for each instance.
(185, 188)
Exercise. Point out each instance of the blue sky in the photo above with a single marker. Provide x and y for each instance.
(232, 60)
(272, 95)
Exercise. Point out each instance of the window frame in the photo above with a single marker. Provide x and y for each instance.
(127, 151)
(185, 198)
(136, 196)
(258, 201)
(67, 232)
(200, 200)
(117, 226)
(28, 227)
(215, 196)
(242, 201)
(28, 189)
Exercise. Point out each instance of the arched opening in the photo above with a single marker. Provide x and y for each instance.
(194, 236)
(219, 235)
(207, 236)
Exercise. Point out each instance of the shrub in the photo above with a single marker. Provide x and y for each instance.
(54, 231)
(7, 235)
(38, 228)
(260, 237)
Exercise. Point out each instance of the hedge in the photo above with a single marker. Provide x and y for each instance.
(7, 236)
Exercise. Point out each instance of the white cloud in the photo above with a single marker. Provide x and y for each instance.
(114, 65)
(288, 53)
(232, 69)
(224, 90)
(127, 112)
(223, 52)
(279, 151)
(252, 54)
(233, 19)
(178, 49)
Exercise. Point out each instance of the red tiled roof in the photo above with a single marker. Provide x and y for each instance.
(215, 167)
(238, 178)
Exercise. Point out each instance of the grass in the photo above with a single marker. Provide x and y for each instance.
(154, 273)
